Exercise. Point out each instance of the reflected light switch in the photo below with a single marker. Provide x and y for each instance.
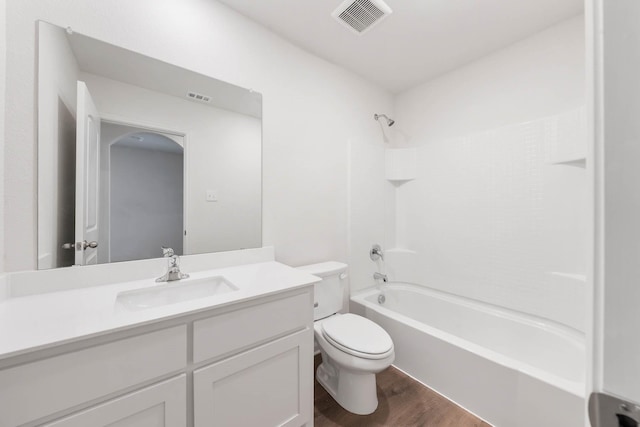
(211, 196)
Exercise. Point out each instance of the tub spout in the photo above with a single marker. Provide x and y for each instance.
(380, 276)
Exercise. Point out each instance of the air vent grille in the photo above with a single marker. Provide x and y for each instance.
(361, 15)
(198, 97)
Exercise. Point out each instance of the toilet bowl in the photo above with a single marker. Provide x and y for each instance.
(354, 349)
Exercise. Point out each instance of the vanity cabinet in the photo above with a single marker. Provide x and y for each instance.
(31, 391)
(161, 405)
(274, 377)
(248, 363)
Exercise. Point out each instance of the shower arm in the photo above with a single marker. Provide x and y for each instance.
(390, 121)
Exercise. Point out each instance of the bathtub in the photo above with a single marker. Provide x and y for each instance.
(510, 369)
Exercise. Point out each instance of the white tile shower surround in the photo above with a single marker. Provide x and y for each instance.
(492, 216)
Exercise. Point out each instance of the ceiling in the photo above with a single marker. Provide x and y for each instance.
(420, 40)
(116, 63)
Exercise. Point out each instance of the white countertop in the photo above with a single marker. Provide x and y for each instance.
(40, 321)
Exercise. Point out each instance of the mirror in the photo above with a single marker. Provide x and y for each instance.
(135, 154)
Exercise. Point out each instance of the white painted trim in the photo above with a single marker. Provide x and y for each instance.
(45, 260)
(595, 173)
(185, 194)
(152, 126)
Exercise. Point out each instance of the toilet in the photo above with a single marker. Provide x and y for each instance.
(353, 348)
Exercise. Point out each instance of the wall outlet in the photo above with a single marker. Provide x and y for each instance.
(211, 196)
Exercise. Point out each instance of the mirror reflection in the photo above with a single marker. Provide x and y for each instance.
(135, 154)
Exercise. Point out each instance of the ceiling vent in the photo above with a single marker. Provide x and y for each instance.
(361, 15)
(198, 97)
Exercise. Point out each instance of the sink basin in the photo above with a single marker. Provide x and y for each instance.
(172, 293)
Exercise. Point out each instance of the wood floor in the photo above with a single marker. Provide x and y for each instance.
(402, 402)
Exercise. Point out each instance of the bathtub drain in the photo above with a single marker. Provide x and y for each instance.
(381, 299)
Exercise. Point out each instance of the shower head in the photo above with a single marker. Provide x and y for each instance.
(390, 122)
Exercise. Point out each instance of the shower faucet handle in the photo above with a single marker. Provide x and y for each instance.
(376, 253)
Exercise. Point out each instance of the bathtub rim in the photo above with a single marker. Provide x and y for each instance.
(577, 388)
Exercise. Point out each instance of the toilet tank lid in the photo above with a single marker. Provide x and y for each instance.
(324, 269)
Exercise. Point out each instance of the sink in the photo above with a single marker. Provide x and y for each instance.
(172, 293)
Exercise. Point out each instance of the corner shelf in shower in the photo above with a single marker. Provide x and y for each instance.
(572, 153)
(578, 162)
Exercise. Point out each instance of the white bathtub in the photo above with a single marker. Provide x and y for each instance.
(509, 368)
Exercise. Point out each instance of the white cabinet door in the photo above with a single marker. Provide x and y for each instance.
(161, 405)
(271, 385)
(46, 387)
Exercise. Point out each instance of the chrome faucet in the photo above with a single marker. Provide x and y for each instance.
(380, 276)
(173, 267)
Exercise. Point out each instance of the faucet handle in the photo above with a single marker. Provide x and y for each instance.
(376, 253)
(167, 252)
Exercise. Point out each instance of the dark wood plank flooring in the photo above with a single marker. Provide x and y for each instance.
(402, 402)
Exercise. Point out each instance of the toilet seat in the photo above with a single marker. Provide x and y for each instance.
(357, 336)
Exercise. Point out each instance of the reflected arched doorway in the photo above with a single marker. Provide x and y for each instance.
(146, 195)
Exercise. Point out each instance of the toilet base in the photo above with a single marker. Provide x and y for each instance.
(354, 391)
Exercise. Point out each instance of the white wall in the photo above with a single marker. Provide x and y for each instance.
(537, 77)
(313, 110)
(489, 217)
(225, 156)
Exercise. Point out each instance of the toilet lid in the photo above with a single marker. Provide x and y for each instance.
(356, 333)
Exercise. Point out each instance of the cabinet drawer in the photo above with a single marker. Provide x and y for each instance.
(41, 388)
(271, 385)
(161, 405)
(236, 330)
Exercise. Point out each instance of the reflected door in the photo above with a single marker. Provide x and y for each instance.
(87, 179)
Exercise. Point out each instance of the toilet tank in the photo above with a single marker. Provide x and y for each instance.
(328, 294)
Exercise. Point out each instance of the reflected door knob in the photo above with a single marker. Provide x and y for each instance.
(91, 245)
(80, 245)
